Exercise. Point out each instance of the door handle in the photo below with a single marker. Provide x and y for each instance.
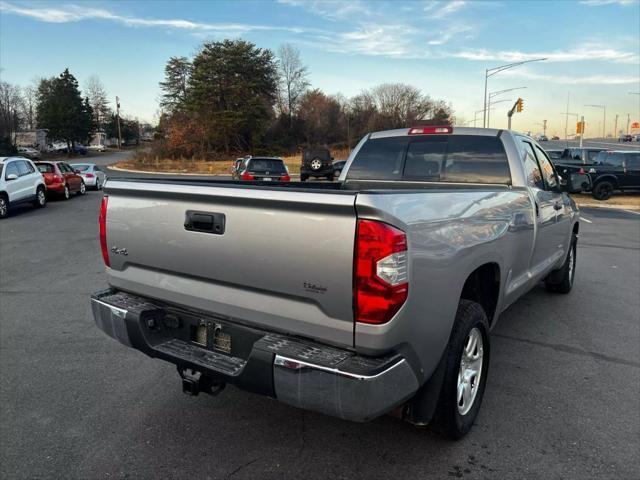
(557, 205)
(205, 222)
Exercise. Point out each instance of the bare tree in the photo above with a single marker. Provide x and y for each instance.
(29, 102)
(96, 93)
(10, 107)
(401, 105)
(293, 79)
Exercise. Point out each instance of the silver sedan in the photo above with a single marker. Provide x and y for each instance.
(91, 173)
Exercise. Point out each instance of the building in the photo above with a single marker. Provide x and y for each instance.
(32, 138)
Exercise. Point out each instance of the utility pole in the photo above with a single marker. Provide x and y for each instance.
(118, 120)
(628, 120)
(544, 128)
(566, 123)
(615, 127)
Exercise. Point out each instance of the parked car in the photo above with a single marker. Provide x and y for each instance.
(337, 168)
(28, 152)
(20, 182)
(61, 179)
(625, 138)
(542, 138)
(352, 299)
(97, 148)
(263, 169)
(575, 156)
(555, 154)
(92, 174)
(555, 137)
(614, 170)
(317, 163)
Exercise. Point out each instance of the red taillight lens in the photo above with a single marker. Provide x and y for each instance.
(430, 130)
(247, 176)
(285, 178)
(89, 175)
(381, 281)
(58, 179)
(102, 221)
(581, 170)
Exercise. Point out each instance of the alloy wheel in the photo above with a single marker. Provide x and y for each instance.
(41, 197)
(3, 207)
(470, 371)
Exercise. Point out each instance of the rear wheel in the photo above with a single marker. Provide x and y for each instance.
(66, 194)
(467, 367)
(98, 184)
(4, 207)
(83, 189)
(41, 198)
(561, 281)
(603, 190)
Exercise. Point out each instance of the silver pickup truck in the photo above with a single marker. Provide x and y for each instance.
(371, 295)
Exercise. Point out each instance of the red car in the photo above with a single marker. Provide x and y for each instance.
(61, 179)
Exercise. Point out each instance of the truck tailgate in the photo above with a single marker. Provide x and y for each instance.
(284, 261)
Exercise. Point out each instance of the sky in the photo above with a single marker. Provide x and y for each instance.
(443, 47)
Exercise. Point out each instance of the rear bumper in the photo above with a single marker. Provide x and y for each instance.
(296, 371)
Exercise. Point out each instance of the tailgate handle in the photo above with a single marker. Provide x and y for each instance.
(206, 222)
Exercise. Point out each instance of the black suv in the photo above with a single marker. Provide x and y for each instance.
(614, 170)
(316, 162)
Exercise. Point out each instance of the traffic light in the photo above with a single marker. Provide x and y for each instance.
(519, 105)
(580, 127)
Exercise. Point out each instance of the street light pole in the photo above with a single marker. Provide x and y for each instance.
(489, 72)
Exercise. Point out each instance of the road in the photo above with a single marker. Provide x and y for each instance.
(562, 399)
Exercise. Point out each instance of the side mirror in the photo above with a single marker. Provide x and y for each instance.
(577, 182)
(11, 176)
(76, 170)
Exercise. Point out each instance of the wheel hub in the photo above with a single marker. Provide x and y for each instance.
(470, 371)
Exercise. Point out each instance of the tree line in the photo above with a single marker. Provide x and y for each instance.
(233, 96)
(58, 105)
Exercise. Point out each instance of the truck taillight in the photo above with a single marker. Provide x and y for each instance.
(430, 130)
(381, 282)
(247, 176)
(102, 221)
(581, 171)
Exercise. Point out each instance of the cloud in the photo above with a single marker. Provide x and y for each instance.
(440, 9)
(586, 53)
(76, 13)
(598, 3)
(332, 10)
(572, 79)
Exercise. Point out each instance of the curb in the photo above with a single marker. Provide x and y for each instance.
(611, 206)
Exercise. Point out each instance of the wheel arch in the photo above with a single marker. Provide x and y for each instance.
(482, 286)
(605, 178)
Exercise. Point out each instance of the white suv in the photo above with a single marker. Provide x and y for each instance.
(20, 182)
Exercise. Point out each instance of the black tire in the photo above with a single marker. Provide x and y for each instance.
(98, 186)
(66, 194)
(82, 190)
(561, 280)
(41, 198)
(448, 419)
(603, 190)
(330, 177)
(303, 178)
(4, 206)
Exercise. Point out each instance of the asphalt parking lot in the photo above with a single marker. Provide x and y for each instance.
(562, 401)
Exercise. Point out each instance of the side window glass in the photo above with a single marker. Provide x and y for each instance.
(593, 155)
(12, 168)
(23, 168)
(531, 169)
(547, 169)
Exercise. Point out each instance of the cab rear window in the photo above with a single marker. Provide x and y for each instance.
(433, 158)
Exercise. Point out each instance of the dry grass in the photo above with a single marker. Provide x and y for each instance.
(195, 166)
(631, 201)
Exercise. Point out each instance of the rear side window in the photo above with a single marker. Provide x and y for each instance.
(45, 168)
(12, 168)
(24, 168)
(379, 159)
(592, 155)
(433, 158)
(610, 159)
(633, 161)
